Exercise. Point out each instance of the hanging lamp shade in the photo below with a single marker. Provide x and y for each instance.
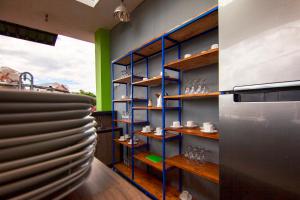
(121, 13)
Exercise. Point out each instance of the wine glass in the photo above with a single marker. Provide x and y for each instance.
(123, 73)
(201, 155)
(187, 88)
(192, 90)
(187, 151)
(199, 88)
(204, 87)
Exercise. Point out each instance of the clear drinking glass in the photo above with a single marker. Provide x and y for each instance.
(188, 150)
(201, 156)
(187, 87)
(127, 72)
(204, 87)
(123, 73)
(193, 86)
(199, 86)
(125, 115)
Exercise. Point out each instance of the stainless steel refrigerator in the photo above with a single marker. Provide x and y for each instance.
(259, 76)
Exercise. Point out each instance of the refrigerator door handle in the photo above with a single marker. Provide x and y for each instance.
(267, 86)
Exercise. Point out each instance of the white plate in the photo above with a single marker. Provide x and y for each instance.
(146, 132)
(176, 126)
(204, 131)
(88, 143)
(47, 97)
(30, 117)
(15, 141)
(158, 134)
(29, 150)
(191, 126)
(40, 178)
(23, 129)
(56, 183)
(131, 143)
(122, 140)
(20, 107)
(19, 173)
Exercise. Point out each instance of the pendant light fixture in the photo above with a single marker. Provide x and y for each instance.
(121, 13)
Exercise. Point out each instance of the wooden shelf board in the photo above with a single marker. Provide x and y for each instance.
(127, 79)
(157, 137)
(153, 108)
(125, 143)
(146, 49)
(142, 157)
(195, 61)
(148, 182)
(194, 96)
(126, 121)
(155, 47)
(207, 170)
(126, 59)
(129, 100)
(195, 132)
(191, 30)
(155, 81)
(201, 25)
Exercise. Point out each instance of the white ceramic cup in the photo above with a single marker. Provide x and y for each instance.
(166, 74)
(214, 46)
(123, 96)
(158, 131)
(130, 141)
(146, 129)
(208, 126)
(122, 138)
(135, 141)
(185, 195)
(176, 124)
(190, 123)
(145, 79)
(187, 55)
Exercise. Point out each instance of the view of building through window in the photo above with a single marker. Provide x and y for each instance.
(70, 62)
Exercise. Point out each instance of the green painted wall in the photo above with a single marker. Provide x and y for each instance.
(103, 82)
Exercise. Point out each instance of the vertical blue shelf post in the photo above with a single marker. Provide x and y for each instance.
(179, 115)
(147, 97)
(132, 115)
(127, 95)
(163, 114)
(113, 113)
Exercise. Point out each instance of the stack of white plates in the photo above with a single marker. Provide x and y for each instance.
(47, 141)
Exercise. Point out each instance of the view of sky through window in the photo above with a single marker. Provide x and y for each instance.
(70, 62)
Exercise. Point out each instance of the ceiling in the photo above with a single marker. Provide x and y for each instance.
(65, 17)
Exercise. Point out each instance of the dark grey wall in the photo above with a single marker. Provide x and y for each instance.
(149, 20)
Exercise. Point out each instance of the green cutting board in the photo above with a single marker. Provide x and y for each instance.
(154, 158)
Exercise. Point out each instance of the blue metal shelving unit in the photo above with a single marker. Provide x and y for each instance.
(135, 56)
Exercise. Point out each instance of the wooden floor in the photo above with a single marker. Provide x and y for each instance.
(104, 184)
